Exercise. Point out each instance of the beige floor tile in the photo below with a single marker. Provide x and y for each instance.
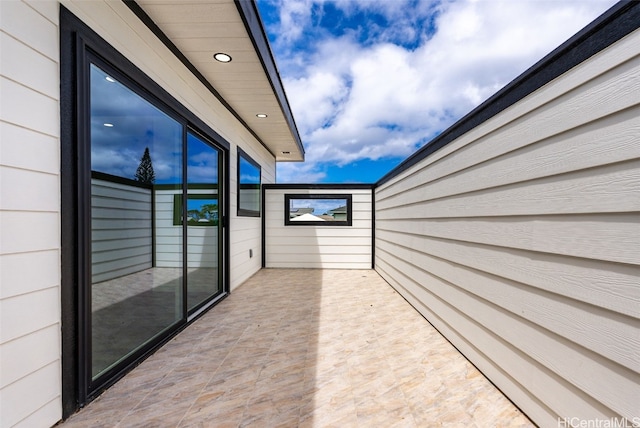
(305, 348)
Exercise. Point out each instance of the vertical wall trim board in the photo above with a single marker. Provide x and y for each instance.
(263, 227)
(68, 208)
(373, 228)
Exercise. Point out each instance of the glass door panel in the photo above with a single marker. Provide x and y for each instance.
(136, 250)
(204, 224)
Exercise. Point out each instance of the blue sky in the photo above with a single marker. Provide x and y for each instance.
(371, 81)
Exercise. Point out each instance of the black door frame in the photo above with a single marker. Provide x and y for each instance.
(79, 44)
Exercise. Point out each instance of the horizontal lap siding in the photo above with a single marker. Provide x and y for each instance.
(30, 387)
(246, 242)
(519, 241)
(339, 247)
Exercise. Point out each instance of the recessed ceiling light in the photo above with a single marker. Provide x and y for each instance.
(110, 79)
(222, 57)
(261, 115)
(109, 125)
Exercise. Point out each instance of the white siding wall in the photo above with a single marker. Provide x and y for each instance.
(247, 230)
(30, 392)
(339, 247)
(520, 241)
(120, 228)
(30, 377)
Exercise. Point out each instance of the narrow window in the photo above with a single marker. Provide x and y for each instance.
(249, 179)
(317, 210)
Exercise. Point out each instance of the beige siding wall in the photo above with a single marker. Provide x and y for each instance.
(520, 242)
(30, 375)
(29, 217)
(340, 247)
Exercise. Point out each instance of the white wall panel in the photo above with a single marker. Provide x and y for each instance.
(337, 247)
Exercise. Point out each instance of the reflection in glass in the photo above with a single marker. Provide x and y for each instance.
(248, 185)
(136, 291)
(203, 222)
(318, 209)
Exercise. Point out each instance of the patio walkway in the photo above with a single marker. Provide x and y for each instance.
(307, 348)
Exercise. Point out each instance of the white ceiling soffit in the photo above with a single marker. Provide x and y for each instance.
(250, 84)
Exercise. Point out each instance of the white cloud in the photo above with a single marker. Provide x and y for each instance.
(315, 97)
(307, 172)
(385, 97)
(295, 16)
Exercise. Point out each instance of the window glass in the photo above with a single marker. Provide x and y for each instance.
(136, 290)
(204, 229)
(248, 185)
(318, 210)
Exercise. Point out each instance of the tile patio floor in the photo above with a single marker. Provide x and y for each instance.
(305, 348)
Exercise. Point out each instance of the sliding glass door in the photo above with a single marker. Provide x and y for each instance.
(154, 226)
(204, 225)
(134, 298)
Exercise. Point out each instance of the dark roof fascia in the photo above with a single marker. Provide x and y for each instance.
(146, 20)
(253, 23)
(617, 22)
(318, 186)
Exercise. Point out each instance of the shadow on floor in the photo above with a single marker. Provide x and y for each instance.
(307, 348)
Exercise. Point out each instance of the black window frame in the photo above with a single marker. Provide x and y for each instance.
(337, 223)
(243, 212)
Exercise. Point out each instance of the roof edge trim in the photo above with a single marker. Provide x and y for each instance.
(614, 24)
(253, 23)
(318, 186)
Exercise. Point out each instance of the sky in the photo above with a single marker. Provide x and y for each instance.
(371, 81)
